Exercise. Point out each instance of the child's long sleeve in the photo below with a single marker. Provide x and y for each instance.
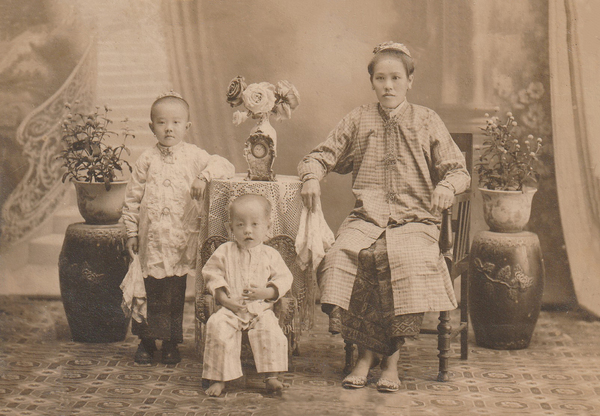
(235, 270)
(133, 196)
(281, 276)
(215, 166)
(214, 271)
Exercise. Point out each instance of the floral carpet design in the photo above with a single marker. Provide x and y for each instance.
(43, 373)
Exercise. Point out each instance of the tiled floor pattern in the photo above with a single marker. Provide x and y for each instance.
(43, 373)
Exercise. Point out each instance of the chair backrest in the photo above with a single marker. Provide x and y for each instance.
(461, 212)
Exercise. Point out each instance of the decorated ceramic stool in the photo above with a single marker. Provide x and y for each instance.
(92, 265)
(506, 282)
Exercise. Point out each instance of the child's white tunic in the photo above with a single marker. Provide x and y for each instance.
(159, 208)
(236, 269)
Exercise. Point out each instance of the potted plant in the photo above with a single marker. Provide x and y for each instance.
(95, 167)
(506, 267)
(507, 175)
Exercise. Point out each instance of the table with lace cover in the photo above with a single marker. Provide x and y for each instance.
(286, 204)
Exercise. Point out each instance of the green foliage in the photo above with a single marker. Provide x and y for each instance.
(86, 156)
(503, 165)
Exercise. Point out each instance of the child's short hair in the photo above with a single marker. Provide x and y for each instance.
(249, 198)
(407, 61)
(170, 96)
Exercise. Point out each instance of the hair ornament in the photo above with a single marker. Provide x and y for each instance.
(170, 94)
(391, 45)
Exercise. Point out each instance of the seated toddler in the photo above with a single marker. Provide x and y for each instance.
(246, 277)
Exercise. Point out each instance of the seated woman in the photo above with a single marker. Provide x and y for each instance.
(385, 269)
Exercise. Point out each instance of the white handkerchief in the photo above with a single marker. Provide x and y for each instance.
(314, 238)
(134, 291)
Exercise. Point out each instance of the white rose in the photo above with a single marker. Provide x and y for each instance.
(259, 98)
(239, 117)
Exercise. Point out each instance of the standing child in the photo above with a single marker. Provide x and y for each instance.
(162, 222)
(385, 269)
(246, 277)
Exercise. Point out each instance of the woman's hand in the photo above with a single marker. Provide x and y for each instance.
(311, 194)
(441, 199)
(132, 246)
(198, 187)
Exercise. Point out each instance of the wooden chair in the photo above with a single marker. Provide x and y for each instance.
(454, 245)
(286, 308)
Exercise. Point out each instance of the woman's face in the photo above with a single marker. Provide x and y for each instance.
(390, 82)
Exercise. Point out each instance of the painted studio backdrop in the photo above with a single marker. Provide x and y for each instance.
(471, 58)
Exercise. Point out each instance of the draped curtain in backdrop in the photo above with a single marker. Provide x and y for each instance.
(574, 69)
(195, 73)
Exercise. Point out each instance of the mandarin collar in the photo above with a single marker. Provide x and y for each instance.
(393, 114)
(169, 149)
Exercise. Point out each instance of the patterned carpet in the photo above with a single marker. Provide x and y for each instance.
(43, 373)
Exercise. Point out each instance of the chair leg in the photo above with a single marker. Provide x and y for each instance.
(349, 348)
(464, 316)
(444, 329)
(464, 342)
(296, 351)
(200, 339)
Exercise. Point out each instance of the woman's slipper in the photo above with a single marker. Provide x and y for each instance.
(387, 386)
(354, 382)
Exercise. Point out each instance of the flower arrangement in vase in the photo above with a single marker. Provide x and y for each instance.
(506, 170)
(95, 167)
(261, 100)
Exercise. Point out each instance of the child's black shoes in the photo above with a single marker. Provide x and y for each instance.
(147, 348)
(145, 351)
(170, 353)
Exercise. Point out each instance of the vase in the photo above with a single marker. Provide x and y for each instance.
(507, 211)
(97, 205)
(506, 283)
(264, 127)
(92, 264)
(260, 151)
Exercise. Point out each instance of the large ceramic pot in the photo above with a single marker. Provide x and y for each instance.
(507, 211)
(99, 206)
(506, 283)
(91, 267)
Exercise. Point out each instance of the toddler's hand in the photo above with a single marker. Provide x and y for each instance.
(198, 187)
(235, 305)
(132, 246)
(441, 199)
(259, 293)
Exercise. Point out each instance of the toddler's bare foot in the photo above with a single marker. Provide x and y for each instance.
(215, 389)
(273, 385)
